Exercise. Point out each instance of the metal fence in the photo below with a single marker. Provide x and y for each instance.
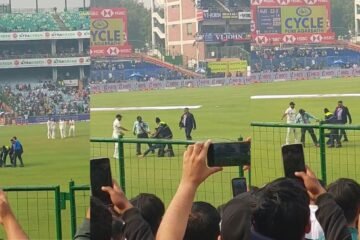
(159, 175)
(328, 163)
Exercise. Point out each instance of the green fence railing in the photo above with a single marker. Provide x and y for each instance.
(158, 175)
(328, 163)
(38, 209)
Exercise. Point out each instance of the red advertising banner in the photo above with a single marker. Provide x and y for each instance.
(108, 32)
(276, 22)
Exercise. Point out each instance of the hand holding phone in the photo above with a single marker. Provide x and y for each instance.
(229, 154)
(100, 175)
(293, 159)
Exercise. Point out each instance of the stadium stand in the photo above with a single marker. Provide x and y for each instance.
(303, 59)
(74, 20)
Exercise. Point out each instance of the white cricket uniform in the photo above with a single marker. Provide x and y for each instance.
(290, 119)
(72, 128)
(62, 129)
(116, 133)
(48, 123)
(53, 129)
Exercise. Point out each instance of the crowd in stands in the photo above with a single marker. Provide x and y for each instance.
(108, 72)
(45, 98)
(233, 5)
(44, 21)
(292, 59)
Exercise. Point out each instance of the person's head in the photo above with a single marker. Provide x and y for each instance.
(346, 193)
(301, 111)
(118, 117)
(15, 138)
(138, 118)
(340, 103)
(186, 110)
(292, 105)
(326, 110)
(282, 210)
(203, 222)
(157, 120)
(151, 207)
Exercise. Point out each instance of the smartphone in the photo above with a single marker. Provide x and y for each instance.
(238, 186)
(100, 175)
(293, 159)
(229, 154)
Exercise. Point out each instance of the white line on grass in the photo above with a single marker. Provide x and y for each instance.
(143, 108)
(305, 96)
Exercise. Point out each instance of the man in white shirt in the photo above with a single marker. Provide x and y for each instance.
(72, 128)
(53, 128)
(290, 114)
(141, 130)
(62, 128)
(117, 131)
(49, 131)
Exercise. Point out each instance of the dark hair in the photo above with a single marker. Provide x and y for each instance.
(151, 207)
(282, 210)
(340, 101)
(346, 193)
(203, 222)
(326, 110)
(157, 120)
(291, 103)
(118, 116)
(138, 118)
(301, 111)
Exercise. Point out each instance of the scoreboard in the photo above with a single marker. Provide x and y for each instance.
(268, 20)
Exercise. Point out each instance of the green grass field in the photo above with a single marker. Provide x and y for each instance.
(47, 162)
(226, 113)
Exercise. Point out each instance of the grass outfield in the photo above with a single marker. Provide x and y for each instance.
(47, 162)
(226, 113)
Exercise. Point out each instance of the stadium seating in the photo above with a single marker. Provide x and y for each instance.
(27, 22)
(128, 70)
(76, 20)
(304, 58)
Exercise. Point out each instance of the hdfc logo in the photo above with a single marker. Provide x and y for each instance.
(289, 39)
(316, 38)
(107, 13)
(283, 2)
(310, 2)
(113, 51)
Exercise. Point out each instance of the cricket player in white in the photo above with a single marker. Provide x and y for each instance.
(62, 128)
(71, 128)
(48, 123)
(290, 114)
(117, 131)
(53, 128)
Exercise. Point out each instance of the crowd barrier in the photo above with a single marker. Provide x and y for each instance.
(208, 82)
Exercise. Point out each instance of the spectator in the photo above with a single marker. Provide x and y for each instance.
(12, 228)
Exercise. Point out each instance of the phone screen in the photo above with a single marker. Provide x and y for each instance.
(229, 154)
(100, 174)
(238, 186)
(293, 159)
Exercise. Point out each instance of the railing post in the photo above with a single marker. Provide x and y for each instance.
(121, 163)
(58, 213)
(72, 208)
(322, 153)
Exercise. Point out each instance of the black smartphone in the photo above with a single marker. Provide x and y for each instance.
(229, 154)
(238, 186)
(293, 159)
(100, 175)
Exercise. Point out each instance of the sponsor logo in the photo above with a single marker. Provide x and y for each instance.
(107, 13)
(289, 39)
(310, 2)
(100, 24)
(113, 51)
(316, 38)
(303, 11)
(283, 2)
